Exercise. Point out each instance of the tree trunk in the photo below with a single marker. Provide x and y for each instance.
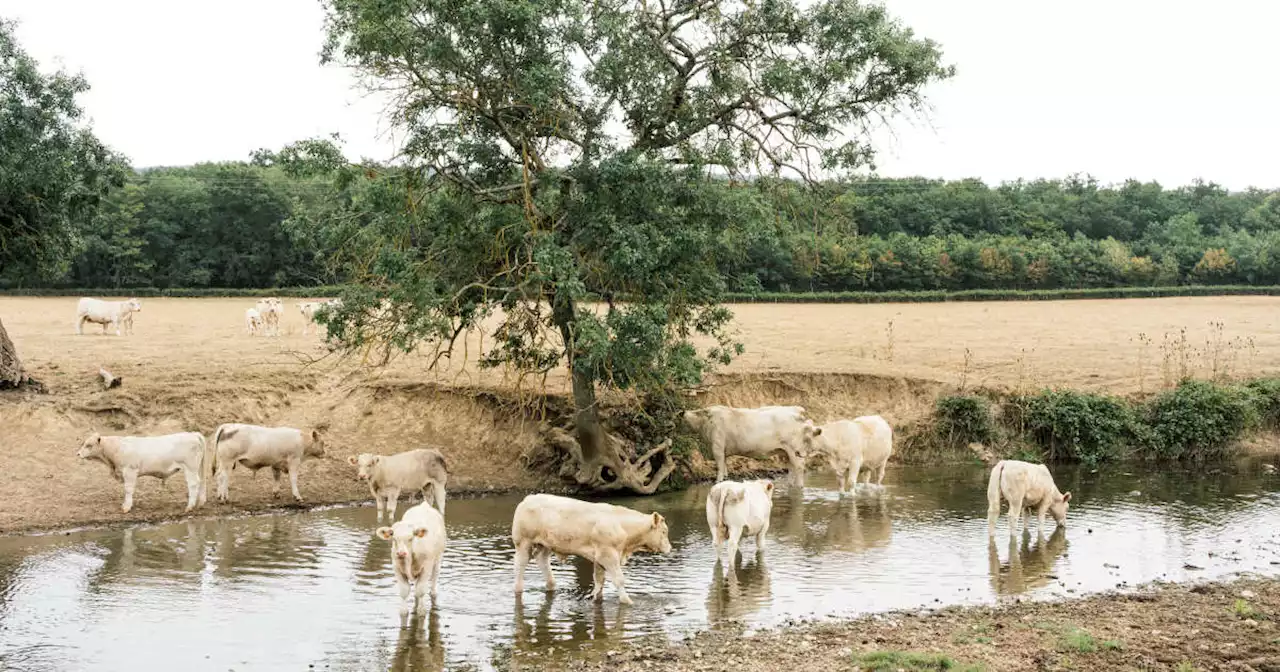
(600, 460)
(10, 365)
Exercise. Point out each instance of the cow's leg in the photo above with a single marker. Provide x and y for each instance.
(393, 500)
(1044, 509)
(378, 501)
(797, 469)
(130, 478)
(522, 559)
(422, 584)
(438, 490)
(275, 486)
(80, 325)
(717, 450)
(735, 535)
(1015, 512)
(193, 486)
(993, 513)
(544, 562)
(402, 583)
(760, 535)
(717, 541)
(880, 474)
(597, 577)
(435, 574)
(613, 567)
(224, 480)
(839, 479)
(295, 465)
(854, 470)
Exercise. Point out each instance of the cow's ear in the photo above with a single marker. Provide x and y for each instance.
(657, 519)
(98, 441)
(1066, 497)
(315, 435)
(817, 431)
(376, 459)
(768, 487)
(420, 532)
(351, 460)
(385, 533)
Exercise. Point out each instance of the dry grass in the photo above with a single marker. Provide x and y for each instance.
(190, 366)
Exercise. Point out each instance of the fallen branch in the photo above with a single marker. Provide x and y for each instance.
(108, 379)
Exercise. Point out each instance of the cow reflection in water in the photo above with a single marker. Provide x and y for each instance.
(419, 647)
(1029, 566)
(167, 548)
(266, 543)
(545, 632)
(739, 591)
(854, 525)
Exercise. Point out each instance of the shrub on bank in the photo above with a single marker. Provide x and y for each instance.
(1199, 419)
(963, 419)
(1076, 426)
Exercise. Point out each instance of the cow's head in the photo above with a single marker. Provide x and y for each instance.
(694, 419)
(809, 432)
(364, 464)
(655, 538)
(134, 305)
(313, 444)
(401, 535)
(91, 448)
(1059, 507)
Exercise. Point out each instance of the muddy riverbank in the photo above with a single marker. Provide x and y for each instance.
(1214, 626)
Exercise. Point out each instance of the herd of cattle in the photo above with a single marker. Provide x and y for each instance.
(262, 319)
(544, 524)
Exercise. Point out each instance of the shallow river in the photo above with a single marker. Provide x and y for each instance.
(316, 588)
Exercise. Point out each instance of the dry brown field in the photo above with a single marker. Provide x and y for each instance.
(190, 366)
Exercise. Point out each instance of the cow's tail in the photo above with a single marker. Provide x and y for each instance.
(217, 437)
(205, 472)
(993, 486)
(727, 495)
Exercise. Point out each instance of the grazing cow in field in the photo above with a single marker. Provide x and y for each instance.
(605, 534)
(413, 470)
(271, 309)
(253, 447)
(1025, 486)
(853, 445)
(417, 547)
(128, 457)
(735, 509)
(114, 313)
(755, 432)
(252, 321)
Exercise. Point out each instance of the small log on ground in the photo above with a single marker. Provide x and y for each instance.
(108, 379)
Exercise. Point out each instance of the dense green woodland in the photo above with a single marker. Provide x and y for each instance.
(244, 225)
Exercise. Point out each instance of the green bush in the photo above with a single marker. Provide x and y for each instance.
(1077, 426)
(1265, 393)
(964, 418)
(939, 296)
(1199, 420)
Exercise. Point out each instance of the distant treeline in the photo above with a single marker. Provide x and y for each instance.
(238, 226)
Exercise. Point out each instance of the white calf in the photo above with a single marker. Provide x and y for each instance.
(417, 547)
(271, 309)
(253, 447)
(1025, 486)
(128, 457)
(252, 321)
(755, 432)
(413, 470)
(113, 313)
(853, 445)
(736, 508)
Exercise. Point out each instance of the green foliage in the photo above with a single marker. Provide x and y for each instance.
(1198, 420)
(1265, 393)
(1077, 426)
(963, 419)
(898, 661)
(1243, 609)
(1077, 640)
(53, 170)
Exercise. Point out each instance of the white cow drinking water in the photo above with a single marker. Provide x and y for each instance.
(128, 457)
(417, 547)
(413, 470)
(850, 446)
(1025, 486)
(755, 432)
(113, 313)
(735, 509)
(605, 534)
(253, 447)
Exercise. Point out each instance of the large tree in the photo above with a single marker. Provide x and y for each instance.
(566, 151)
(53, 172)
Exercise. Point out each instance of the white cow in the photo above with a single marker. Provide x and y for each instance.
(413, 470)
(271, 309)
(755, 432)
(252, 321)
(128, 457)
(1025, 486)
(308, 310)
(113, 313)
(605, 534)
(253, 447)
(850, 446)
(417, 547)
(735, 509)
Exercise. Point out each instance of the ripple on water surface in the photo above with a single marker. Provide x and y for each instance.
(317, 587)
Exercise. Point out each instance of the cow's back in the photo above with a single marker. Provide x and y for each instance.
(411, 469)
(566, 525)
(424, 515)
(877, 439)
(756, 431)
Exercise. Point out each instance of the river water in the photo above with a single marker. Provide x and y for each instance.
(293, 590)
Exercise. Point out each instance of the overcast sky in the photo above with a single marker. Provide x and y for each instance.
(1157, 90)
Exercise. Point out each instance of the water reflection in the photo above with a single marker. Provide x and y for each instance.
(738, 592)
(321, 581)
(1030, 563)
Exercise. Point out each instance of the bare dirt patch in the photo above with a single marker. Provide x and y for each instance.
(1226, 626)
(190, 366)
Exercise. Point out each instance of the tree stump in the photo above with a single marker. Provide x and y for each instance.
(10, 366)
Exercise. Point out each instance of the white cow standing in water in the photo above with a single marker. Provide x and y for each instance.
(850, 446)
(116, 314)
(755, 432)
(128, 457)
(417, 548)
(735, 509)
(1025, 486)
